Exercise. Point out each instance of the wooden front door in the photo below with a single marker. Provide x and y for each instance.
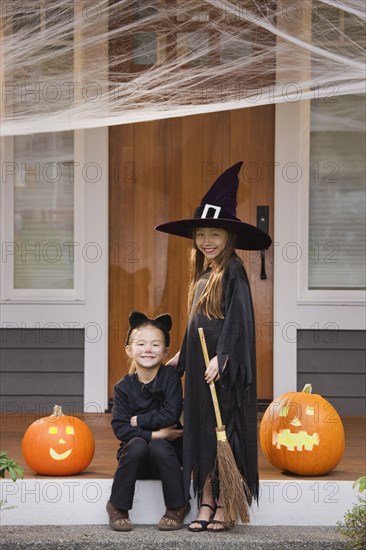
(159, 171)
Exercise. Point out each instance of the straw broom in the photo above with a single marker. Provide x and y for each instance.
(234, 492)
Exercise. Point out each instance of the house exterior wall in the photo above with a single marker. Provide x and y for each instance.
(89, 314)
(291, 312)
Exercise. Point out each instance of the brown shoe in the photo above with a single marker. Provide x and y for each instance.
(173, 518)
(118, 519)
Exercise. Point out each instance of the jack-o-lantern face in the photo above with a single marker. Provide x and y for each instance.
(58, 445)
(292, 440)
(302, 433)
(69, 430)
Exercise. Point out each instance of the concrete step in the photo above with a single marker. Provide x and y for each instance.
(148, 537)
(80, 501)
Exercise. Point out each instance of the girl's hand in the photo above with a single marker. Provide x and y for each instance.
(212, 373)
(133, 421)
(170, 433)
(174, 360)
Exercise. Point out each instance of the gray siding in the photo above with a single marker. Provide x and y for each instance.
(334, 362)
(40, 368)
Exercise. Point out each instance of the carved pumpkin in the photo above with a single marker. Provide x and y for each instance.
(302, 433)
(58, 444)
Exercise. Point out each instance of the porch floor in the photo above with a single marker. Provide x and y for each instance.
(104, 463)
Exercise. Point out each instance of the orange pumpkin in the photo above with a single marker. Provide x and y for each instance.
(302, 433)
(58, 445)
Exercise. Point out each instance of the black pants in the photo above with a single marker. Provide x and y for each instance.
(141, 460)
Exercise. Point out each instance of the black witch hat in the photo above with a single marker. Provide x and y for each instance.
(218, 209)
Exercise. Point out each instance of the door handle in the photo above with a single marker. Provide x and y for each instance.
(262, 223)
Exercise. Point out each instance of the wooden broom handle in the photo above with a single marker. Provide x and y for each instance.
(212, 384)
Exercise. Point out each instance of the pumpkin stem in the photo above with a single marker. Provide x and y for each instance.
(57, 411)
(308, 388)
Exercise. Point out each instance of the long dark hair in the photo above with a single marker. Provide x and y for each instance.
(210, 300)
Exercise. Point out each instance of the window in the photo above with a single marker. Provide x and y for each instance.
(331, 200)
(42, 217)
(337, 193)
(43, 210)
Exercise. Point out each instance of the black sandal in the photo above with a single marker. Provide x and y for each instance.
(217, 521)
(203, 523)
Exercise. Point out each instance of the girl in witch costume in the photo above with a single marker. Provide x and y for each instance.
(146, 409)
(219, 301)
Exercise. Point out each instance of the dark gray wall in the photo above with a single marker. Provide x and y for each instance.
(40, 368)
(334, 362)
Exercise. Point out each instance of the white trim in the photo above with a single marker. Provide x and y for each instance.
(11, 295)
(79, 214)
(96, 289)
(6, 206)
(332, 297)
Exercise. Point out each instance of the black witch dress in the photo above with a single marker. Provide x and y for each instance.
(232, 339)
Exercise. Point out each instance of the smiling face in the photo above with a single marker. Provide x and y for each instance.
(68, 430)
(296, 440)
(147, 347)
(211, 241)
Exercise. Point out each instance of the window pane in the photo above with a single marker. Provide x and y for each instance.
(193, 47)
(44, 211)
(233, 48)
(144, 48)
(337, 193)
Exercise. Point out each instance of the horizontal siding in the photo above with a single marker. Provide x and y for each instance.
(42, 360)
(45, 383)
(331, 339)
(334, 363)
(20, 338)
(334, 385)
(331, 361)
(348, 406)
(40, 405)
(41, 368)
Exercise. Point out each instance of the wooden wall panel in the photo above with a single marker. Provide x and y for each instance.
(159, 172)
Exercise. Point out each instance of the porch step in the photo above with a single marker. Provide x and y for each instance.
(147, 537)
(81, 501)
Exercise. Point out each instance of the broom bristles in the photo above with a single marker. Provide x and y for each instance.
(235, 494)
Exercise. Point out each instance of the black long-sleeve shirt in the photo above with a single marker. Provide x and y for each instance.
(157, 404)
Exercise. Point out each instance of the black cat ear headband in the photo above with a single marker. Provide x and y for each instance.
(163, 322)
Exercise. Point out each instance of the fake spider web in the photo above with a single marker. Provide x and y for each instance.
(81, 64)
